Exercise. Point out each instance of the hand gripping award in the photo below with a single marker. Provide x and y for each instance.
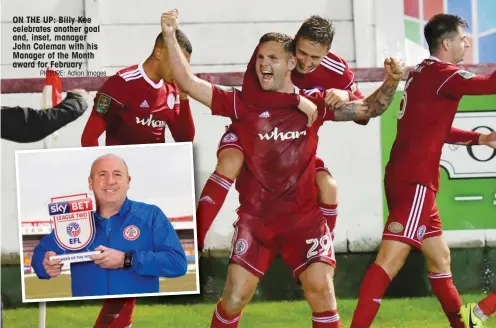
(74, 227)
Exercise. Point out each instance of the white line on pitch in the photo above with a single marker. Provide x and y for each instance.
(469, 198)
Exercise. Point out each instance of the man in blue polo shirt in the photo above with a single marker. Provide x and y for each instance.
(137, 242)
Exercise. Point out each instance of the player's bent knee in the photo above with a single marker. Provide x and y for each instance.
(235, 302)
(238, 290)
(437, 254)
(318, 287)
(328, 188)
(392, 256)
(229, 163)
(440, 264)
(320, 296)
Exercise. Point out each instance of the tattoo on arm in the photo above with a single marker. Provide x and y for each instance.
(372, 106)
(346, 112)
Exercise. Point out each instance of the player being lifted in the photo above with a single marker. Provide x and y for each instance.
(430, 100)
(317, 69)
(278, 197)
(135, 106)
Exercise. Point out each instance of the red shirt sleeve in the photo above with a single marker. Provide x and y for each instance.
(93, 129)
(318, 98)
(225, 102)
(182, 126)
(254, 95)
(354, 96)
(351, 86)
(459, 136)
(353, 91)
(460, 83)
(109, 98)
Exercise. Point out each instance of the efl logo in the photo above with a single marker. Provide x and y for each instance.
(73, 230)
(72, 206)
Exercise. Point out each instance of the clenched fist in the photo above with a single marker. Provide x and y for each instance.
(169, 22)
(394, 67)
(335, 97)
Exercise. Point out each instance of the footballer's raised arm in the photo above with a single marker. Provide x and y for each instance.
(462, 83)
(197, 88)
(377, 103)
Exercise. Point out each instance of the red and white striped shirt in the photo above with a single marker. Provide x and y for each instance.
(133, 109)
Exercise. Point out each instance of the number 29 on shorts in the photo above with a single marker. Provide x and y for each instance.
(325, 245)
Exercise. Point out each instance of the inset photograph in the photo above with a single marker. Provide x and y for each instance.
(107, 222)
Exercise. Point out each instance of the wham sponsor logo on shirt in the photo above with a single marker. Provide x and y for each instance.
(276, 135)
(151, 122)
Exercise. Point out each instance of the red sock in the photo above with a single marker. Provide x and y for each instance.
(125, 317)
(221, 320)
(488, 305)
(328, 319)
(372, 290)
(116, 312)
(331, 214)
(447, 294)
(211, 199)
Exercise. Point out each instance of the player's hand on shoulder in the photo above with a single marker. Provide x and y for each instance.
(52, 268)
(488, 139)
(335, 97)
(309, 109)
(169, 22)
(394, 67)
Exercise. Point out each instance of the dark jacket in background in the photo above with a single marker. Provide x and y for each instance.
(23, 124)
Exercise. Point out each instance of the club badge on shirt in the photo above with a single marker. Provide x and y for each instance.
(131, 232)
(171, 100)
(421, 232)
(103, 104)
(241, 247)
(395, 227)
(230, 137)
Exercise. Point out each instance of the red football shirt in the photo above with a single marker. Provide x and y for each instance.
(430, 100)
(332, 73)
(278, 179)
(133, 109)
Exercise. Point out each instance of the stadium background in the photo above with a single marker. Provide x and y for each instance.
(224, 35)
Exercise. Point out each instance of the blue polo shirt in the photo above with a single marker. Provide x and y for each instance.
(138, 227)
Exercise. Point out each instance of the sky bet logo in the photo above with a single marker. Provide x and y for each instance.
(72, 206)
